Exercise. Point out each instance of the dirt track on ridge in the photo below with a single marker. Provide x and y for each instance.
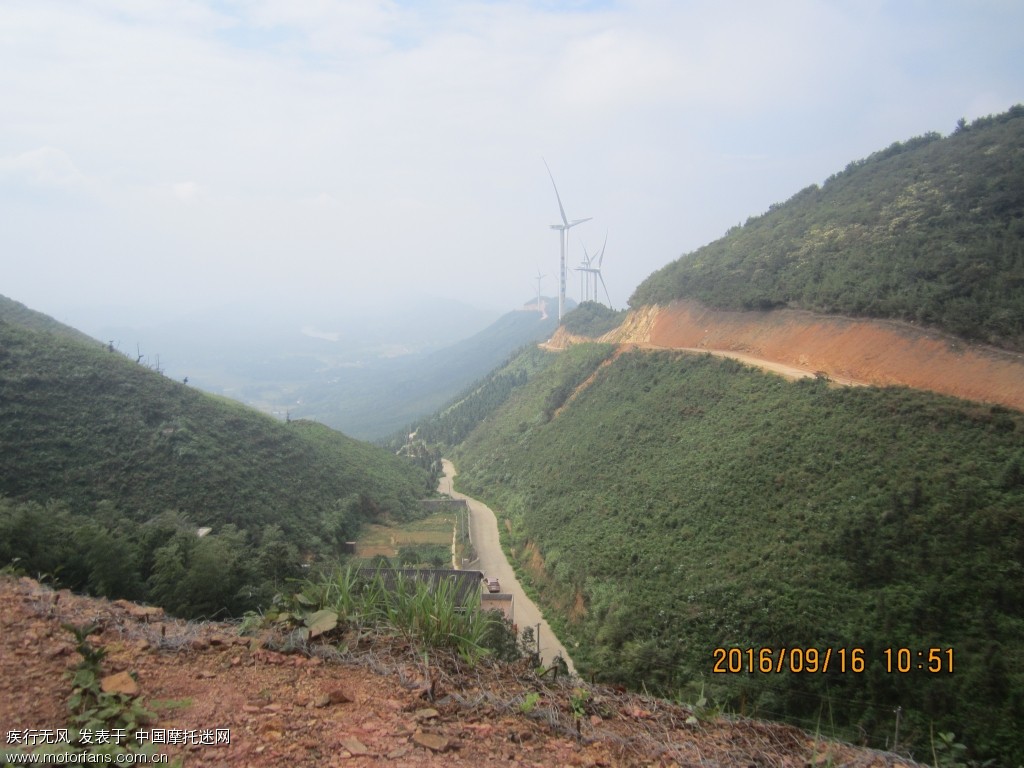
(848, 350)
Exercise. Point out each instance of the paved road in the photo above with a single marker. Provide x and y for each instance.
(483, 527)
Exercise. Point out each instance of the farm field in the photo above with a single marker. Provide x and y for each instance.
(420, 542)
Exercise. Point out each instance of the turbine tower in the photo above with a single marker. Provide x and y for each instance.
(591, 269)
(598, 276)
(563, 238)
(538, 279)
(586, 274)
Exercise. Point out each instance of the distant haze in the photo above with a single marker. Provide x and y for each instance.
(163, 157)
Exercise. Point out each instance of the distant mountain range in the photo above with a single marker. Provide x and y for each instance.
(379, 399)
(368, 374)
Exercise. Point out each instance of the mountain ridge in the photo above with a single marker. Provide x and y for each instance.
(928, 230)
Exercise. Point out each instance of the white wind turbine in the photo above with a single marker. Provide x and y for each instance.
(563, 238)
(585, 271)
(593, 273)
(585, 274)
(538, 279)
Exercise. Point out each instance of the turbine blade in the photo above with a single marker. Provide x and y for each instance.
(607, 295)
(558, 197)
(586, 256)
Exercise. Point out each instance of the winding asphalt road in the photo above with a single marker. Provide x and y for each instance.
(483, 527)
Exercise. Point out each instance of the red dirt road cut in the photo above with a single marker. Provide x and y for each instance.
(847, 350)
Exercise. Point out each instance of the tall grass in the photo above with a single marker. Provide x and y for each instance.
(422, 612)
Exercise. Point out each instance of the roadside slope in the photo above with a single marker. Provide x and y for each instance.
(848, 350)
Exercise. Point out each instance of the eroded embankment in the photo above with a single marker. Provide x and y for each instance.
(880, 352)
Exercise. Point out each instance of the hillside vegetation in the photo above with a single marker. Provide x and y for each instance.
(592, 319)
(107, 470)
(17, 313)
(682, 503)
(929, 230)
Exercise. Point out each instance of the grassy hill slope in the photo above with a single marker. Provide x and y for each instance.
(679, 503)
(93, 443)
(16, 313)
(930, 230)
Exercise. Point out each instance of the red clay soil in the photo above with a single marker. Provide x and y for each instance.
(381, 703)
(877, 352)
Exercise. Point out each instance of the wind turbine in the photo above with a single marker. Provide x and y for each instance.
(592, 272)
(586, 272)
(563, 240)
(599, 276)
(539, 278)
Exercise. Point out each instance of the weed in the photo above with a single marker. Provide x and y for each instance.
(420, 611)
(702, 709)
(13, 568)
(93, 709)
(529, 702)
(947, 752)
(578, 701)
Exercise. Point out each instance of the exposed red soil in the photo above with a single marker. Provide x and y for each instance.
(383, 704)
(848, 350)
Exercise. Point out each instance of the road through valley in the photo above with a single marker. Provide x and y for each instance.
(483, 526)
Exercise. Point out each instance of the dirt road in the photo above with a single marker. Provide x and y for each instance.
(788, 371)
(492, 561)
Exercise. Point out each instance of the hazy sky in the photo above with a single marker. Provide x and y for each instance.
(170, 155)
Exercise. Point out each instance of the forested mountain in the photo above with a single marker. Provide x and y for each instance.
(929, 230)
(680, 504)
(700, 528)
(108, 469)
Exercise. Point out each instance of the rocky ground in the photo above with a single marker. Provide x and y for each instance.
(384, 703)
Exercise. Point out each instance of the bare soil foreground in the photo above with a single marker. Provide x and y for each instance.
(847, 350)
(383, 703)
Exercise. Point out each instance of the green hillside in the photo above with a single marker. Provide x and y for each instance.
(101, 456)
(930, 231)
(684, 503)
(16, 313)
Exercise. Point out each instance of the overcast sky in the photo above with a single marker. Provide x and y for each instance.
(173, 155)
